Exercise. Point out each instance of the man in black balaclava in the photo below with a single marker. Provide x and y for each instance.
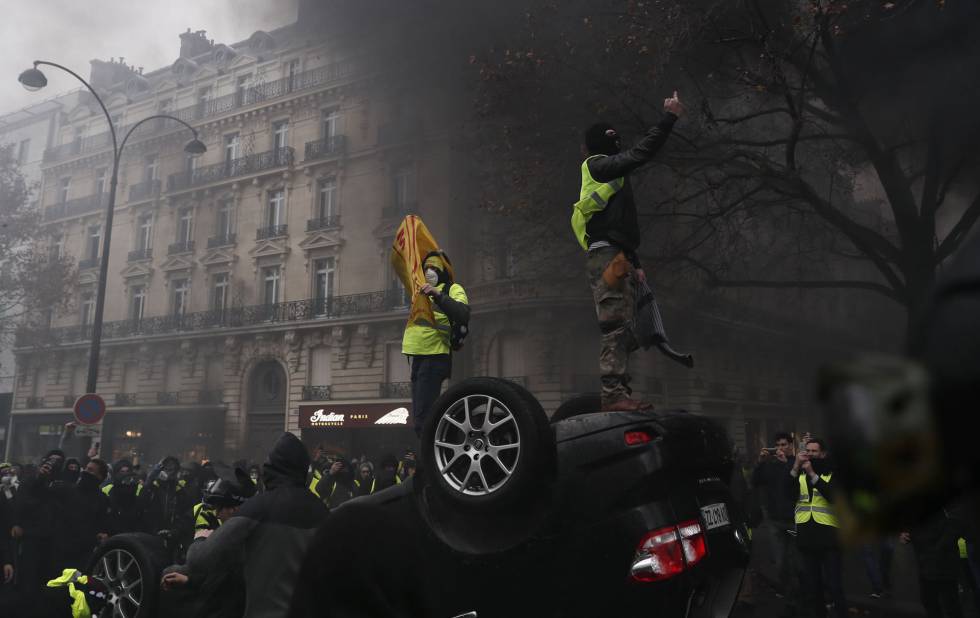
(166, 505)
(71, 471)
(38, 513)
(88, 524)
(606, 226)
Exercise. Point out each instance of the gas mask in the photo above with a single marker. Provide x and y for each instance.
(164, 476)
(432, 276)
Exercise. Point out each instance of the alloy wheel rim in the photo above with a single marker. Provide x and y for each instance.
(477, 445)
(120, 572)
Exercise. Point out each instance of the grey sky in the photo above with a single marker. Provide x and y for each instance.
(73, 32)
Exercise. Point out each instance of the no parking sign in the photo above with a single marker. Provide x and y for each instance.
(89, 409)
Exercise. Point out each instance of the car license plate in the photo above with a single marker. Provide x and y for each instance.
(715, 516)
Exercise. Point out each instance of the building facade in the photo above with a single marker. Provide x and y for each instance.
(250, 289)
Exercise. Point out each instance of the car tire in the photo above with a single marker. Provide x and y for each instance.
(518, 451)
(130, 565)
(582, 404)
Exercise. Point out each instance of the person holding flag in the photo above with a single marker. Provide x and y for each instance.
(439, 317)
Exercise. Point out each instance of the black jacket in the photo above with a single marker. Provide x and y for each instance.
(269, 534)
(87, 516)
(618, 222)
(935, 545)
(780, 497)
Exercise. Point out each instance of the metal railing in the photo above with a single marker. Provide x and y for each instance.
(221, 241)
(322, 223)
(168, 398)
(127, 399)
(259, 93)
(140, 254)
(77, 206)
(316, 393)
(148, 189)
(234, 317)
(395, 390)
(271, 231)
(184, 246)
(89, 263)
(232, 168)
(34, 403)
(334, 146)
(398, 210)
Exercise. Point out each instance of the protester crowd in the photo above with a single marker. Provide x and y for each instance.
(795, 487)
(55, 513)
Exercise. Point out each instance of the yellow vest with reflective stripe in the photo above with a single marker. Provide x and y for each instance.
(424, 338)
(593, 197)
(816, 508)
(313, 482)
(79, 606)
(961, 544)
(201, 522)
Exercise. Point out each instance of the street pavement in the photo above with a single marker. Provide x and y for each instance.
(759, 597)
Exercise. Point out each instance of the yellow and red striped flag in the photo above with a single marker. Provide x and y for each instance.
(412, 243)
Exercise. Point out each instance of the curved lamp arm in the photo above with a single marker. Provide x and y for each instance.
(108, 117)
(154, 117)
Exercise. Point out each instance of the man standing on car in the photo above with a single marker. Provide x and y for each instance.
(429, 346)
(770, 474)
(606, 225)
(816, 530)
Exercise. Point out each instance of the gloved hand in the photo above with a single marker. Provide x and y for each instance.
(154, 472)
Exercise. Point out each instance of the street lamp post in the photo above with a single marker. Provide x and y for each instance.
(33, 79)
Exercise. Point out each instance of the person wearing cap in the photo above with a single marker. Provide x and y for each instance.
(606, 226)
(429, 345)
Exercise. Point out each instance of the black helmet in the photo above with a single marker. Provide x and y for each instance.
(223, 493)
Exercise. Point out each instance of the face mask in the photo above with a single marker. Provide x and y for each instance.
(431, 277)
(254, 477)
(163, 476)
(87, 480)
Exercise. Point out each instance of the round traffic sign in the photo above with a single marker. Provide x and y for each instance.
(89, 409)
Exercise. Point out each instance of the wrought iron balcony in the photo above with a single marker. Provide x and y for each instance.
(398, 210)
(233, 168)
(270, 232)
(322, 223)
(77, 206)
(221, 241)
(127, 399)
(184, 246)
(146, 190)
(316, 393)
(140, 254)
(89, 263)
(335, 146)
(313, 309)
(168, 399)
(396, 390)
(307, 80)
(210, 397)
(34, 402)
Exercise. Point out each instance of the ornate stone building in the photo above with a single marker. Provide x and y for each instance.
(250, 287)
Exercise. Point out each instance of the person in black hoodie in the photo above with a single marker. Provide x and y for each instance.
(780, 498)
(269, 535)
(87, 523)
(38, 510)
(336, 486)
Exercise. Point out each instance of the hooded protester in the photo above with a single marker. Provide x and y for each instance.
(166, 505)
(337, 484)
(388, 474)
(72, 469)
(89, 523)
(38, 511)
(269, 535)
(366, 483)
(119, 469)
(125, 507)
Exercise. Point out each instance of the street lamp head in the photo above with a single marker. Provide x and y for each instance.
(33, 79)
(195, 147)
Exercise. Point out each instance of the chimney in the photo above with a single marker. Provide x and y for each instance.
(194, 43)
(104, 74)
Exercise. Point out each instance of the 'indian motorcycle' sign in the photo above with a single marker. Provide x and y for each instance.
(352, 415)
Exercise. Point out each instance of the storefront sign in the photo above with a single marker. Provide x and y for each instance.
(353, 415)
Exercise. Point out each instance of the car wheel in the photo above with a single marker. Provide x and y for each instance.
(129, 565)
(487, 444)
(583, 404)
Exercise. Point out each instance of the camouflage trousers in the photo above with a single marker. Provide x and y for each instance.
(611, 277)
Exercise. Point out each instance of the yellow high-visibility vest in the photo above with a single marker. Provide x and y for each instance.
(593, 197)
(79, 606)
(961, 544)
(422, 338)
(817, 507)
(313, 482)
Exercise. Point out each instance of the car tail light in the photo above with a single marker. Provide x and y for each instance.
(667, 552)
(637, 437)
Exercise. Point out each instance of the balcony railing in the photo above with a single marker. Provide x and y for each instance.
(233, 168)
(270, 232)
(146, 190)
(334, 146)
(235, 317)
(127, 399)
(168, 399)
(221, 241)
(316, 393)
(322, 223)
(34, 402)
(396, 390)
(398, 210)
(307, 80)
(77, 206)
(89, 263)
(140, 254)
(184, 246)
